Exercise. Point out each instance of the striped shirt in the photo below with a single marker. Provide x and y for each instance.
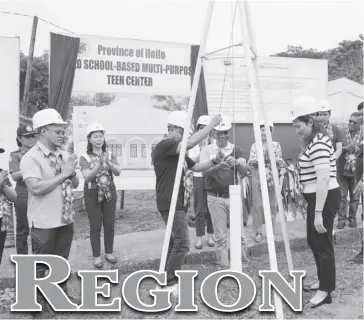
(319, 154)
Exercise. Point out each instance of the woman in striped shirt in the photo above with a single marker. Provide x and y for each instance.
(317, 172)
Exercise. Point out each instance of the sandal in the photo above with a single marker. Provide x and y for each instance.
(211, 243)
(110, 258)
(98, 263)
(199, 245)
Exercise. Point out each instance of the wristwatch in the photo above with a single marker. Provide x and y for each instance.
(73, 175)
(214, 162)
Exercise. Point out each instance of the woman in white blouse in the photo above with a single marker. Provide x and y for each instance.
(317, 173)
(257, 202)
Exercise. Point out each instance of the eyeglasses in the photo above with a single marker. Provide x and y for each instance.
(353, 122)
(30, 136)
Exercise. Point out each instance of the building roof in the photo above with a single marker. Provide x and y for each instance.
(133, 114)
(345, 85)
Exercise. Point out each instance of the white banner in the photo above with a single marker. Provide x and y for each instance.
(133, 66)
(282, 80)
(9, 96)
(129, 87)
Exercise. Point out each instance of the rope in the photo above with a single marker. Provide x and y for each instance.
(223, 87)
(231, 41)
(53, 24)
(233, 83)
(41, 19)
(16, 14)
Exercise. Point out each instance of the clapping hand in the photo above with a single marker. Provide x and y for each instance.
(3, 177)
(219, 157)
(230, 161)
(69, 167)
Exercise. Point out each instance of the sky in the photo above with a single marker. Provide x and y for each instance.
(275, 24)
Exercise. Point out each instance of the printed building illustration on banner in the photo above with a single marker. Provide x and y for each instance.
(133, 128)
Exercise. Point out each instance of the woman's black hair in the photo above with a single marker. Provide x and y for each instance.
(18, 142)
(317, 127)
(90, 149)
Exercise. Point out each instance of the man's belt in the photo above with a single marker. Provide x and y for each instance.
(218, 194)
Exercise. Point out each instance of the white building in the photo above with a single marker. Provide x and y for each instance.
(344, 96)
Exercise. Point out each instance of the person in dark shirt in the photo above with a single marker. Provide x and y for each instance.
(217, 182)
(165, 160)
(346, 173)
(7, 195)
(359, 177)
(26, 139)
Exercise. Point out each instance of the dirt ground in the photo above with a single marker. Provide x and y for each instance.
(347, 298)
(139, 214)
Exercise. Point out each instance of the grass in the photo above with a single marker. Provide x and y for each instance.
(139, 214)
(347, 298)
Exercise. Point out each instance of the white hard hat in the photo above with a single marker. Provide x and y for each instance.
(45, 117)
(204, 120)
(325, 106)
(304, 106)
(94, 127)
(177, 118)
(224, 125)
(270, 123)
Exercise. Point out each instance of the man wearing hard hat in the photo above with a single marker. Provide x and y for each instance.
(218, 180)
(166, 155)
(202, 214)
(49, 174)
(335, 133)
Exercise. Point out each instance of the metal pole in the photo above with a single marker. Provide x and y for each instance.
(261, 165)
(182, 153)
(236, 211)
(28, 76)
(269, 142)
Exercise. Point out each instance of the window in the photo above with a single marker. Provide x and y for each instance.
(152, 153)
(144, 151)
(133, 151)
(116, 149)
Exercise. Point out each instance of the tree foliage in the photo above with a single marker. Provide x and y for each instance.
(346, 60)
(171, 103)
(38, 93)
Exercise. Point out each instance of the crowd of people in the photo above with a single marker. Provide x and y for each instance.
(329, 168)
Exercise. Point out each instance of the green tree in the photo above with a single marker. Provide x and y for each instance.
(346, 60)
(171, 103)
(38, 93)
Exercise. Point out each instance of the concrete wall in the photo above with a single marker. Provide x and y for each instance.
(283, 133)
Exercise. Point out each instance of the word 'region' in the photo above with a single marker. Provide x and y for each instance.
(59, 271)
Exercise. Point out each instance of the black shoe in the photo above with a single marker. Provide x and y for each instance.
(326, 300)
(341, 224)
(353, 224)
